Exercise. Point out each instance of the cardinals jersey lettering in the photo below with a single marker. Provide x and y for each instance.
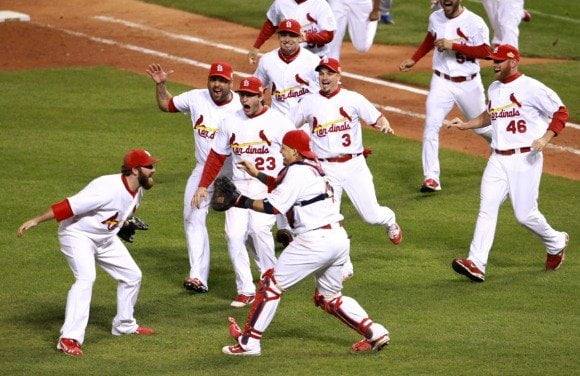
(258, 140)
(205, 117)
(520, 111)
(335, 127)
(313, 16)
(288, 82)
(301, 183)
(101, 208)
(468, 29)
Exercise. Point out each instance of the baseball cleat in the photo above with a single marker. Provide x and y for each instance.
(364, 345)
(239, 350)
(195, 285)
(141, 330)
(430, 185)
(387, 19)
(527, 17)
(234, 328)
(395, 234)
(553, 262)
(70, 347)
(242, 300)
(284, 237)
(467, 268)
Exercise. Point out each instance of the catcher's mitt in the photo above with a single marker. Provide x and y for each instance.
(127, 232)
(225, 194)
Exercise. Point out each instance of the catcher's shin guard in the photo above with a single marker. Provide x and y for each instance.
(263, 309)
(348, 311)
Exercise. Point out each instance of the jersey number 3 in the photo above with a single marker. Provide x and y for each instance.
(519, 126)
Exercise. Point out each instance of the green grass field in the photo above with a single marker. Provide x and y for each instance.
(62, 128)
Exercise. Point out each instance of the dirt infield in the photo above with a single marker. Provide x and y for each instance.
(71, 35)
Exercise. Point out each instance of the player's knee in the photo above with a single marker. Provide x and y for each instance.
(525, 217)
(132, 277)
(328, 303)
(268, 286)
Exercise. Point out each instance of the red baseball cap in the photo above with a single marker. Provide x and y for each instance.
(300, 141)
(330, 63)
(291, 26)
(251, 85)
(505, 52)
(221, 69)
(138, 158)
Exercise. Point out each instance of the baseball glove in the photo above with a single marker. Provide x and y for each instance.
(127, 232)
(225, 194)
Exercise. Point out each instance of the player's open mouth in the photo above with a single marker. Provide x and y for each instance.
(247, 107)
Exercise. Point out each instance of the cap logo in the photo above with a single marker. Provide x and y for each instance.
(325, 60)
(246, 83)
(288, 24)
(219, 68)
(495, 50)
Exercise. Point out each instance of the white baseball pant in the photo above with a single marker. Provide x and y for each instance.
(443, 94)
(518, 176)
(113, 257)
(354, 15)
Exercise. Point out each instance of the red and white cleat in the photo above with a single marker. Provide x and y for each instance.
(364, 345)
(70, 347)
(430, 185)
(467, 268)
(242, 300)
(395, 234)
(144, 331)
(553, 262)
(240, 351)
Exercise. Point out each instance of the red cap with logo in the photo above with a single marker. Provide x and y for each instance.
(300, 141)
(505, 52)
(138, 158)
(291, 26)
(251, 85)
(221, 69)
(330, 63)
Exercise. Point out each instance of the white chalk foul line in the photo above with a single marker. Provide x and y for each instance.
(200, 64)
(192, 39)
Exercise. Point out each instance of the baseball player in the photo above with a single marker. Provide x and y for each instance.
(255, 133)
(460, 37)
(519, 111)
(505, 18)
(334, 116)
(320, 249)
(207, 107)
(89, 223)
(316, 20)
(360, 17)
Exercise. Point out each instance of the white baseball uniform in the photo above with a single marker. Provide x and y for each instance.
(320, 248)
(288, 80)
(520, 111)
(313, 16)
(336, 134)
(205, 117)
(455, 80)
(354, 15)
(257, 139)
(505, 18)
(89, 223)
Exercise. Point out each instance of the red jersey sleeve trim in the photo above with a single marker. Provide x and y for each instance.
(268, 29)
(320, 38)
(475, 52)
(62, 210)
(424, 48)
(171, 106)
(559, 120)
(213, 165)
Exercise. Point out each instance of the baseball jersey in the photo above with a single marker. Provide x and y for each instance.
(468, 29)
(303, 182)
(257, 139)
(100, 208)
(288, 81)
(313, 16)
(334, 121)
(520, 111)
(205, 117)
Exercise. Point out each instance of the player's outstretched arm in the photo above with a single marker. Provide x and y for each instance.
(406, 65)
(46, 216)
(159, 76)
(482, 120)
(384, 126)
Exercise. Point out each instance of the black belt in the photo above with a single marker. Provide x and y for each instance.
(513, 151)
(456, 78)
(342, 158)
